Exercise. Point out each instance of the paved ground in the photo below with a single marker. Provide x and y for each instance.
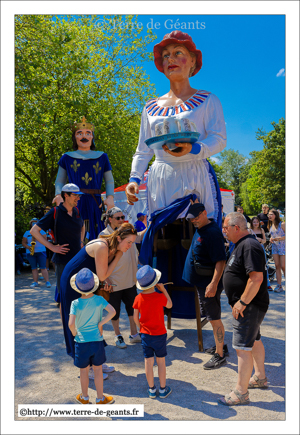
(45, 374)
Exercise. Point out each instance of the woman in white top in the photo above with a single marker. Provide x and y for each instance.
(176, 174)
(277, 232)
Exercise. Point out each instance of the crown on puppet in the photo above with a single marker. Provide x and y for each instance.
(82, 125)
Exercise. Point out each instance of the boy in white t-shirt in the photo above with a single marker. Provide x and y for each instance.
(86, 324)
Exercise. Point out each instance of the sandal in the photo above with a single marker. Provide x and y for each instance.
(260, 383)
(241, 399)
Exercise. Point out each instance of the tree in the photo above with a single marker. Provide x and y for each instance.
(66, 68)
(233, 171)
(219, 173)
(266, 177)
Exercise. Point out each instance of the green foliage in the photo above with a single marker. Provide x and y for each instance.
(68, 68)
(266, 177)
(233, 171)
(220, 174)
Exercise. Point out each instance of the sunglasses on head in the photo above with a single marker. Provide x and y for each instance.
(119, 217)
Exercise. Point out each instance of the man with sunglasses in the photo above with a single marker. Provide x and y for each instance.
(68, 227)
(245, 283)
(207, 250)
(124, 278)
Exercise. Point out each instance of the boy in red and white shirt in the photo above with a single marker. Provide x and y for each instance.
(149, 317)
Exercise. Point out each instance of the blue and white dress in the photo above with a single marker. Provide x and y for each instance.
(278, 247)
(172, 177)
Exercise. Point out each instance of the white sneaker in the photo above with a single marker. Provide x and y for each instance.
(92, 374)
(136, 339)
(120, 343)
(107, 369)
(278, 289)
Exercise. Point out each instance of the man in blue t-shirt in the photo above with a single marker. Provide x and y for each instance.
(207, 250)
(139, 225)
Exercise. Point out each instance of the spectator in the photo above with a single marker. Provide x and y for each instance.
(50, 239)
(208, 250)
(245, 283)
(257, 230)
(240, 209)
(277, 232)
(124, 277)
(36, 254)
(86, 324)
(149, 317)
(68, 227)
(223, 213)
(264, 217)
(140, 224)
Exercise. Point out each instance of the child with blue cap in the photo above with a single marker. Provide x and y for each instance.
(86, 324)
(149, 317)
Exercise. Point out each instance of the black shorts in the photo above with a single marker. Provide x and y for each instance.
(127, 296)
(210, 307)
(246, 330)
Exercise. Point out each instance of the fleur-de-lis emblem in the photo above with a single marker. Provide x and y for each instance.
(96, 167)
(86, 178)
(75, 166)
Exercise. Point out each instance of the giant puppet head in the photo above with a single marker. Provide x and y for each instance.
(83, 135)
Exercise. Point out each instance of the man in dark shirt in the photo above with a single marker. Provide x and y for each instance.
(240, 209)
(245, 283)
(263, 217)
(68, 227)
(208, 249)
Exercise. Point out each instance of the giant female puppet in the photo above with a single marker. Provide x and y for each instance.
(178, 174)
(86, 168)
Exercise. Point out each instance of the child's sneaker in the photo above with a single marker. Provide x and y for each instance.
(152, 393)
(81, 400)
(135, 339)
(107, 369)
(92, 375)
(106, 401)
(48, 284)
(164, 393)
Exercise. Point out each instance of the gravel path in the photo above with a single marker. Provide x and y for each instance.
(45, 374)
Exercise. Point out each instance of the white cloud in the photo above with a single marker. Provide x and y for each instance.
(215, 159)
(281, 73)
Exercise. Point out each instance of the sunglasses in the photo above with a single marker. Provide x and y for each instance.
(119, 217)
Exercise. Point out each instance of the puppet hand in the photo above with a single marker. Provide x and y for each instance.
(109, 202)
(131, 190)
(57, 199)
(182, 149)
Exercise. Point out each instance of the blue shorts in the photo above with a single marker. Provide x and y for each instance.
(210, 307)
(90, 353)
(38, 258)
(154, 345)
(246, 330)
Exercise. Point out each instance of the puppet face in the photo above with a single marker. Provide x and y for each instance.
(84, 139)
(177, 60)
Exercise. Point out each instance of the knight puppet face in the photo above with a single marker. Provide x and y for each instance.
(83, 135)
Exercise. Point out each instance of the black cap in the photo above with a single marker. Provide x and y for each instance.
(194, 210)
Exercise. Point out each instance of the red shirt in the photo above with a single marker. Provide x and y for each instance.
(151, 309)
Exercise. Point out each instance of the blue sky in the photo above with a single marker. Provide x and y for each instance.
(242, 56)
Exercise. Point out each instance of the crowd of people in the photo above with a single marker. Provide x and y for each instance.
(97, 263)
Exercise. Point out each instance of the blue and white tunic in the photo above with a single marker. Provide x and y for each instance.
(172, 177)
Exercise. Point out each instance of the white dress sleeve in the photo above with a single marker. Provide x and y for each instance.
(143, 153)
(215, 129)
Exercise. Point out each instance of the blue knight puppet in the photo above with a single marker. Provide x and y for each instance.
(86, 168)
